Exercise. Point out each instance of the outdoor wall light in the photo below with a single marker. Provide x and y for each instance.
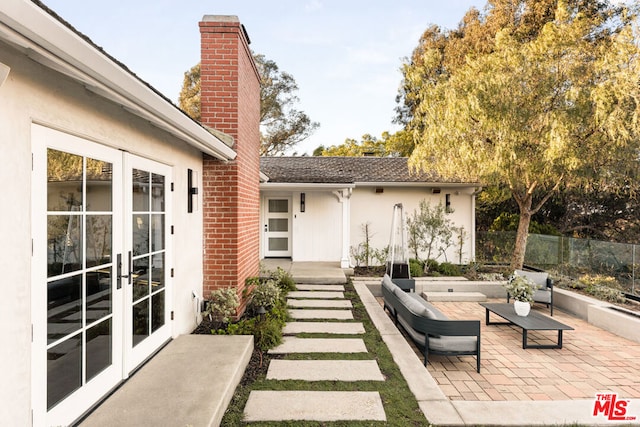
(447, 203)
(302, 202)
(4, 73)
(192, 190)
(379, 190)
(435, 191)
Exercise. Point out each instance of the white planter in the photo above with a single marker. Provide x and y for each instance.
(522, 308)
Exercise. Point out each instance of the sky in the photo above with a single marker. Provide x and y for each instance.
(345, 55)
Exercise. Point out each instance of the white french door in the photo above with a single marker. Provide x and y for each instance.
(147, 234)
(96, 311)
(277, 227)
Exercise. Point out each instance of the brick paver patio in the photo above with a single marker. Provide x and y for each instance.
(591, 361)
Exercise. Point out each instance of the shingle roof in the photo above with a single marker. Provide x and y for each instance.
(343, 170)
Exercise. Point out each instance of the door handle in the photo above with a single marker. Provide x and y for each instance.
(266, 228)
(119, 274)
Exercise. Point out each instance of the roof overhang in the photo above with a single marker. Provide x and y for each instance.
(303, 186)
(46, 40)
(418, 184)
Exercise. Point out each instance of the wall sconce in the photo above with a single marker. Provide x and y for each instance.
(379, 190)
(4, 73)
(192, 190)
(435, 191)
(447, 203)
(302, 201)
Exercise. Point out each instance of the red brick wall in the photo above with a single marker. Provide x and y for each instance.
(230, 102)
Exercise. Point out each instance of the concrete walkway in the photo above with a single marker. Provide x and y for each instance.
(323, 406)
(190, 382)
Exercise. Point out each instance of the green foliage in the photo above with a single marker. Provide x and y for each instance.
(284, 280)
(222, 305)
(364, 254)
(416, 267)
(520, 288)
(532, 111)
(448, 269)
(429, 230)
(265, 294)
(602, 287)
(431, 265)
(509, 222)
(398, 144)
(282, 126)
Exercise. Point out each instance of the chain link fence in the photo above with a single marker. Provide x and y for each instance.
(567, 255)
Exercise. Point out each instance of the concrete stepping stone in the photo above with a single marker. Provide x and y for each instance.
(320, 314)
(293, 328)
(319, 345)
(318, 303)
(316, 294)
(334, 288)
(267, 405)
(324, 370)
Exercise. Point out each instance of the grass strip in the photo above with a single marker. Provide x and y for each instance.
(400, 405)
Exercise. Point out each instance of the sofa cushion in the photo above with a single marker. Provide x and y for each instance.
(387, 283)
(414, 306)
(431, 311)
(454, 344)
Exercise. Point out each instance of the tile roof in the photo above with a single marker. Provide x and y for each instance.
(343, 170)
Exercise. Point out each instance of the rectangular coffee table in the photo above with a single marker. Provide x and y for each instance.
(533, 322)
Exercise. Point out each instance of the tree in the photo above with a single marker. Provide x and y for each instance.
(282, 126)
(558, 109)
(427, 227)
(389, 145)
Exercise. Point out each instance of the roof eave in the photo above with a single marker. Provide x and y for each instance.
(47, 41)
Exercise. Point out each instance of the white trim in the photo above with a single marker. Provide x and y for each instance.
(301, 186)
(46, 40)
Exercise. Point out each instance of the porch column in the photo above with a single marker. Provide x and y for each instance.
(344, 197)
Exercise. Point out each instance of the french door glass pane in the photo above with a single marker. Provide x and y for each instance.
(99, 177)
(64, 369)
(157, 272)
(64, 238)
(141, 190)
(99, 344)
(157, 309)
(157, 193)
(64, 181)
(140, 234)
(157, 232)
(140, 322)
(140, 278)
(99, 240)
(64, 307)
(99, 296)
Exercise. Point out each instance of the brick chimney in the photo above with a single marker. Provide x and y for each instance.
(230, 102)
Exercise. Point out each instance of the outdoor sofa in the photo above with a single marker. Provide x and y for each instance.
(428, 327)
(544, 284)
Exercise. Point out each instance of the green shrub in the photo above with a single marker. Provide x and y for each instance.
(222, 305)
(416, 268)
(284, 280)
(448, 269)
(265, 294)
(431, 266)
(602, 287)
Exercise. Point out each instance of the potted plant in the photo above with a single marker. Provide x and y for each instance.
(521, 289)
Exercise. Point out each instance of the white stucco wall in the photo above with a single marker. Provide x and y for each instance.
(367, 206)
(35, 94)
